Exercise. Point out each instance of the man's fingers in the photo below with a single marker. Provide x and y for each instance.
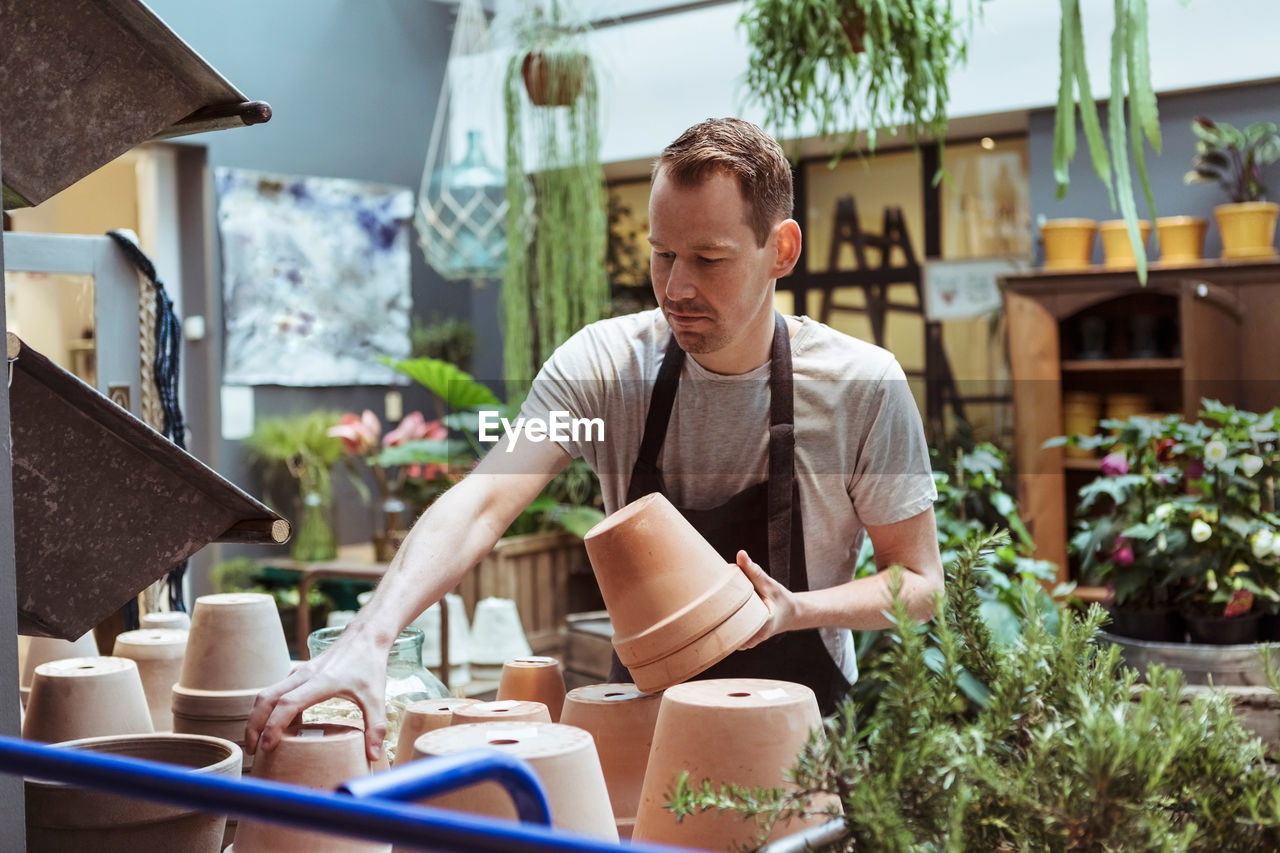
(375, 726)
(263, 707)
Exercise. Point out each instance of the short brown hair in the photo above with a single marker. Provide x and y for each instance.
(740, 149)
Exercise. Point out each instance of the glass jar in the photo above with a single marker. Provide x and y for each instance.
(407, 679)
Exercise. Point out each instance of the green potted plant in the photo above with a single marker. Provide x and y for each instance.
(841, 67)
(301, 444)
(554, 282)
(1234, 159)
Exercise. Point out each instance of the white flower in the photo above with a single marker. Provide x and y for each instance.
(1250, 464)
(1262, 542)
(1212, 580)
(1161, 542)
(1215, 452)
(1164, 511)
(1200, 530)
(1275, 547)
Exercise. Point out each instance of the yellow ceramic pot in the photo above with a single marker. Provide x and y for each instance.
(1117, 251)
(1068, 243)
(1181, 239)
(1248, 229)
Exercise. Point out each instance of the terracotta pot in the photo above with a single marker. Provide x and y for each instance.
(497, 635)
(422, 717)
(537, 679)
(173, 619)
(1117, 251)
(554, 78)
(63, 819)
(215, 713)
(158, 652)
(1248, 229)
(314, 755)
(236, 643)
(1068, 243)
(33, 651)
(735, 730)
(622, 720)
(1181, 239)
(677, 607)
(86, 697)
(563, 757)
(854, 23)
(502, 711)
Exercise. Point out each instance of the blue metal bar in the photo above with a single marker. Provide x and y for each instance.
(430, 776)
(414, 826)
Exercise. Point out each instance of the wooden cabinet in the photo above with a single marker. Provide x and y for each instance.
(1211, 330)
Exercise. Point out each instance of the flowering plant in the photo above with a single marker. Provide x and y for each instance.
(1184, 513)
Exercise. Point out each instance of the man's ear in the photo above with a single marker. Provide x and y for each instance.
(786, 235)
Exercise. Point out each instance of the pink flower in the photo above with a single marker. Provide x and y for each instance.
(1195, 469)
(1122, 556)
(1115, 465)
(1164, 450)
(1241, 602)
(359, 434)
(414, 427)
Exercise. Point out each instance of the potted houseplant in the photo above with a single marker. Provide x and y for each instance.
(554, 282)
(1234, 158)
(840, 67)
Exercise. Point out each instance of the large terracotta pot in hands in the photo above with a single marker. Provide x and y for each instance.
(33, 651)
(676, 606)
(158, 652)
(563, 757)
(745, 731)
(314, 755)
(536, 679)
(86, 697)
(501, 711)
(64, 819)
(425, 716)
(236, 642)
(621, 719)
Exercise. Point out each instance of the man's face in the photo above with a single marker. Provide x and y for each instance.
(709, 276)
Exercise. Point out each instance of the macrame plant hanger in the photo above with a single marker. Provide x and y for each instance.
(462, 203)
(161, 348)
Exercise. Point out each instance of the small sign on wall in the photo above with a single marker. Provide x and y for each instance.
(960, 289)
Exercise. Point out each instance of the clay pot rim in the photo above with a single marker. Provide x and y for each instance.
(690, 623)
(83, 666)
(213, 704)
(627, 692)
(692, 659)
(1244, 206)
(1181, 220)
(1068, 222)
(562, 735)
(427, 706)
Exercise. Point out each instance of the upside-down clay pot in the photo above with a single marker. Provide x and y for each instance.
(621, 719)
(64, 819)
(86, 697)
(425, 716)
(33, 651)
(745, 731)
(536, 679)
(501, 711)
(676, 606)
(563, 757)
(236, 642)
(173, 619)
(158, 653)
(314, 755)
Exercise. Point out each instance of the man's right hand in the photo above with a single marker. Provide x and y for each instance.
(353, 668)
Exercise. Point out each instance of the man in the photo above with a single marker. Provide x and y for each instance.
(783, 441)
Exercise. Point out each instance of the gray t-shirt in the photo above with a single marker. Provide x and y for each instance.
(860, 456)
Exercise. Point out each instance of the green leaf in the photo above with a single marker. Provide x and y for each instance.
(1064, 117)
(451, 384)
(1116, 129)
(1089, 110)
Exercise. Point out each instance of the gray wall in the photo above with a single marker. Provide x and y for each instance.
(1087, 197)
(353, 86)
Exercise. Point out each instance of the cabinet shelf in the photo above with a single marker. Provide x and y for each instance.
(1112, 365)
(1082, 464)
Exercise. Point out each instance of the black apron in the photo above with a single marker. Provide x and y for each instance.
(764, 520)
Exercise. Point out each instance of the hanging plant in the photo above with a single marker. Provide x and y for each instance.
(555, 281)
(840, 67)
(1131, 91)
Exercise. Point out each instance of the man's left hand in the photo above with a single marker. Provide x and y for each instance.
(780, 601)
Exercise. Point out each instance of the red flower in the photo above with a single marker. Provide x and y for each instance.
(1164, 450)
(1241, 602)
(414, 427)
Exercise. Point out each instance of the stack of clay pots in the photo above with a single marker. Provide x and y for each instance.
(314, 755)
(235, 648)
(33, 651)
(621, 719)
(158, 653)
(78, 698)
(534, 679)
(563, 758)
(677, 607)
(64, 819)
(744, 731)
(425, 716)
(501, 712)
